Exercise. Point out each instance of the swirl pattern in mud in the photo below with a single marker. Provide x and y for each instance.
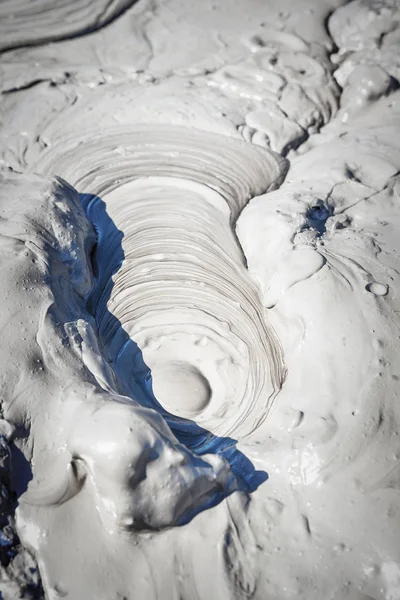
(199, 344)
(181, 311)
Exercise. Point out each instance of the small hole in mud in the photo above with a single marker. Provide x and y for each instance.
(257, 41)
(317, 216)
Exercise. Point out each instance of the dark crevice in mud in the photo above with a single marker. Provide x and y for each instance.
(394, 84)
(93, 253)
(325, 23)
(70, 36)
(24, 86)
(17, 563)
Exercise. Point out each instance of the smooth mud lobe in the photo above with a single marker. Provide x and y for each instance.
(199, 338)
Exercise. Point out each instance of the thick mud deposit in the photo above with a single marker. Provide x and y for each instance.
(199, 257)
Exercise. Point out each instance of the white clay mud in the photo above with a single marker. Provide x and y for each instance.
(199, 260)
